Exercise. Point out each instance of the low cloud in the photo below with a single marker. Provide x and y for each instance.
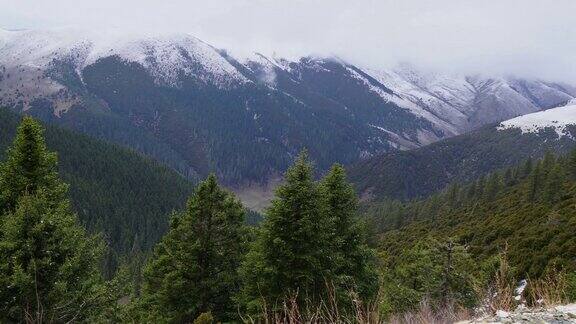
(533, 38)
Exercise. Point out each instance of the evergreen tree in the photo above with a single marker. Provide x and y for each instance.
(352, 260)
(29, 167)
(572, 164)
(289, 256)
(527, 168)
(508, 179)
(49, 266)
(194, 267)
(493, 186)
(548, 161)
(553, 186)
(535, 182)
(471, 191)
(452, 195)
(441, 272)
(50, 269)
(480, 187)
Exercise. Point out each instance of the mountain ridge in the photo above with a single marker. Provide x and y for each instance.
(178, 94)
(464, 158)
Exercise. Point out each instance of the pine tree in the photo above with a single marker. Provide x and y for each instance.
(352, 260)
(194, 267)
(29, 167)
(49, 265)
(289, 256)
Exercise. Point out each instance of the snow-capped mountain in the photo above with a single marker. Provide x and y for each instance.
(558, 119)
(198, 108)
(467, 157)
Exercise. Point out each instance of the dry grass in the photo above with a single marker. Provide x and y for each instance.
(426, 314)
(550, 290)
(327, 311)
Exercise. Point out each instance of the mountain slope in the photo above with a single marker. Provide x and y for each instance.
(199, 109)
(113, 190)
(420, 172)
(528, 211)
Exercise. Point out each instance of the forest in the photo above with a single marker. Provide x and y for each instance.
(318, 255)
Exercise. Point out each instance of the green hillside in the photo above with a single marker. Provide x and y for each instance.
(113, 190)
(421, 172)
(530, 210)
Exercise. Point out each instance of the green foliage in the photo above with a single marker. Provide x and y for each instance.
(50, 268)
(352, 261)
(194, 267)
(29, 168)
(49, 265)
(290, 254)
(571, 286)
(309, 244)
(533, 215)
(113, 190)
(439, 272)
(204, 318)
(421, 172)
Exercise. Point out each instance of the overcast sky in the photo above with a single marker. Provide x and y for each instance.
(535, 38)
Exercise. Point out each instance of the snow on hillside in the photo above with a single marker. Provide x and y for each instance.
(446, 119)
(166, 57)
(557, 118)
(452, 103)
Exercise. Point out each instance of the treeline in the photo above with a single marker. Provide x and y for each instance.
(309, 249)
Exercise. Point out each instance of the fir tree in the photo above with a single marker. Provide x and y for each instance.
(352, 260)
(527, 168)
(289, 256)
(493, 185)
(535, 182)
(553, 186)
(452, 195)
(29, 167)
(194, 267)
(49, 266)
(572, 165)
(508, 179)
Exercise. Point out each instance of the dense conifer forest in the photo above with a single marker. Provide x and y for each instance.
(113, 190)
(316, 256)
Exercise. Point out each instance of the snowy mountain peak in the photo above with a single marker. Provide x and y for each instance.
(417, 105)
(166, 57)
(556, 118)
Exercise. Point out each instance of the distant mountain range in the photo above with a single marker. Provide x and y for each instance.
(464, 158)
(199, 109)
